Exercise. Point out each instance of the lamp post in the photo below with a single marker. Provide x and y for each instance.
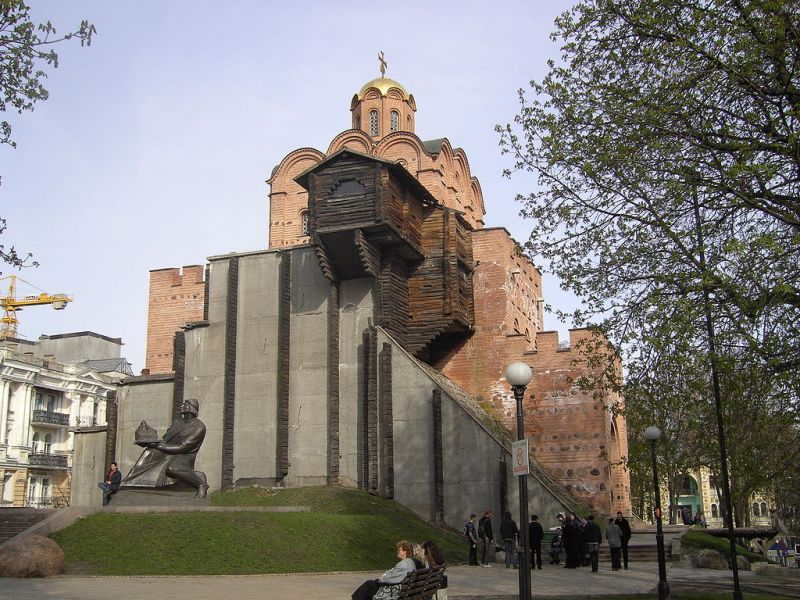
(519, 375)
(652, 434)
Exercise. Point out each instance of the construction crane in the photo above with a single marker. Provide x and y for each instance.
(11, 305)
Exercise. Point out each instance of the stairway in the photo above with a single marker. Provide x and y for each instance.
(16, 520)
(637, 553)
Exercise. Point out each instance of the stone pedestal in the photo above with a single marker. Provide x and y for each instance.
(147, 497)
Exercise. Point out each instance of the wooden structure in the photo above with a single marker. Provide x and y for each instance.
(369, 217)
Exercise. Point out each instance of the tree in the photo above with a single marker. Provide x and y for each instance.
(671, 127)
(25, 51)
(667, 146)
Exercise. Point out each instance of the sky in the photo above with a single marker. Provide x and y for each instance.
(153, 148)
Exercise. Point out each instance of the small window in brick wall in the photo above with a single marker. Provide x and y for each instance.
(394, 120)
(304, 222)
(373, 122)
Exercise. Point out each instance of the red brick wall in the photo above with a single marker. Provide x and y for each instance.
(175, 298)
(570, 430)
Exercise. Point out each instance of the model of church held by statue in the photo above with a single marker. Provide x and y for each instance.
(366, 346)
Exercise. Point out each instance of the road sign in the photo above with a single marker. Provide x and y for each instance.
(519, 457)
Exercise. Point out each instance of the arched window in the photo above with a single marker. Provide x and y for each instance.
(764, 512)
(304, 223)
(714, 511)
(48, 443)
(394, 118)
(35, 445)
(373, 122)
(756, 511)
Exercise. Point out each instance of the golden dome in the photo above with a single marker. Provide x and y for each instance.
(383, 85)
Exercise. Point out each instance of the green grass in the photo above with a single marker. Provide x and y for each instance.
(695, 540)
(346, 530)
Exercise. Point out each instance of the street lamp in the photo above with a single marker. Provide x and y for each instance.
(519, 375)
(652, 434)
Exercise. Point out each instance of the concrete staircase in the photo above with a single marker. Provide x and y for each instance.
(17, 520)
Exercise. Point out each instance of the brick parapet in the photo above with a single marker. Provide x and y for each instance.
(175, 297)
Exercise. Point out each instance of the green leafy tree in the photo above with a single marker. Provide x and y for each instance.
(668, 122)
(26, 50)
(666, 141)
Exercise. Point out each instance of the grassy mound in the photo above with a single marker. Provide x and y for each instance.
(695, 540)
(346, 530)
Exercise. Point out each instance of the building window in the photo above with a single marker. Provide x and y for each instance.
(304, 222)
(35, 444)
(373, 122)
(764, 509)
(714, 511)
(756, 511)
(395, 120)
(48, 443)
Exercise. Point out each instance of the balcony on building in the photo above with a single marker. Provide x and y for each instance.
(87, 421)
(49, 417)
(59, 460)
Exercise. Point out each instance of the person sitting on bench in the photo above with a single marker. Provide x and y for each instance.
(387, 587)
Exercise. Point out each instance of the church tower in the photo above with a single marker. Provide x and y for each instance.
(383, 106)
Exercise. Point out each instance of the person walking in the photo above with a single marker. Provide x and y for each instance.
(535, 537)
(509, 532)
(614, 537)
(592, 537)
(472, 539)
(625, 528)
(486, 535)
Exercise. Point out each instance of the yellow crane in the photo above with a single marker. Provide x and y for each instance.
(11, 305)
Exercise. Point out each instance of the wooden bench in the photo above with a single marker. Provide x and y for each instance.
(422, 584)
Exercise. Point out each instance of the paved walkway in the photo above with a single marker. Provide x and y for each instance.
(466, 583)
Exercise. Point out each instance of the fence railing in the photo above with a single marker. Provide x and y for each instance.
(49, 417)
(48, 459)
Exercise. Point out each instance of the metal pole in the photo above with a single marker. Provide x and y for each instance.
(712, 350)
(663, 586)
(726, 486)
(524, 567)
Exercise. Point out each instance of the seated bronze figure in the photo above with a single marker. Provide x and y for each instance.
(169, 461)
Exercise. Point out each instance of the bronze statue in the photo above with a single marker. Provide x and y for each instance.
(170, 460)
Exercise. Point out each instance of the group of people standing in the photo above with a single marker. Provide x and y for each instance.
(577, 539)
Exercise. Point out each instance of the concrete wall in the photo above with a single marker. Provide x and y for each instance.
(308, 372)
(476, 466)
(256, 367)
(148, 399)
(205, 369)
(356, 300)
(69, 347)
(88, 468)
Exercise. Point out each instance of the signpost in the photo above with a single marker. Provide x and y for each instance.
(519, 452)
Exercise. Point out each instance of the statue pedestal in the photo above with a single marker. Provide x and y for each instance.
(157, 497)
